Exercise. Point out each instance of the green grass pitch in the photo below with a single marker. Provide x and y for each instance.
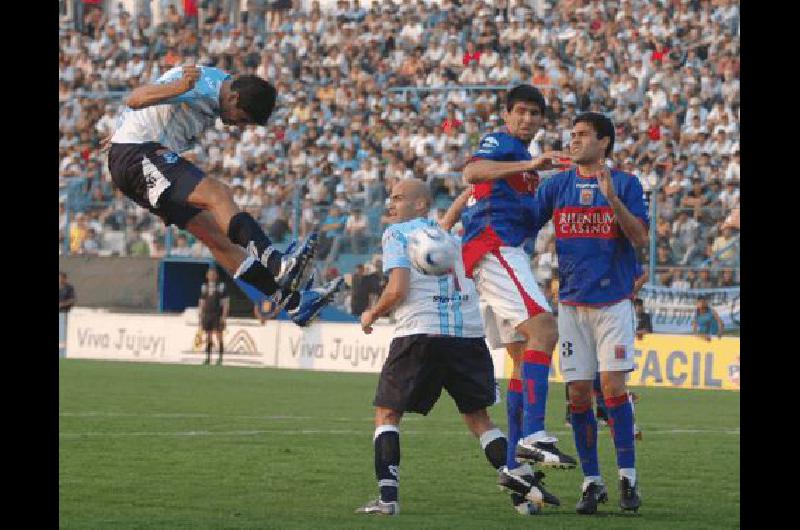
(162, 446)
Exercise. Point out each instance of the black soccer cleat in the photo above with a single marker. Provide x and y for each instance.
(526, 484)
(545, 454)
(629, 495)
(547, 497)
(592, 494)
(524, 506)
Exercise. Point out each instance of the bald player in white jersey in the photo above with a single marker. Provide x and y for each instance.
(438, 343)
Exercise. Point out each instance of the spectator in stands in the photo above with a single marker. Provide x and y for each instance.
(688, 69)
(331, 233)
(356, 231)
(78, 232)
(686, 231)
(181, 248)
(723, 247)
(91, 243)
(706, 321)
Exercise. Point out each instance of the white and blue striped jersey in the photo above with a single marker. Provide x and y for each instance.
(177, 123)
(438, 305)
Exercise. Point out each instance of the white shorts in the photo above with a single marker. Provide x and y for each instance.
(506, 285)
(595, 339)
(499, 332)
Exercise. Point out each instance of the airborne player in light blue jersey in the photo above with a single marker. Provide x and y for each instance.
(162, 120)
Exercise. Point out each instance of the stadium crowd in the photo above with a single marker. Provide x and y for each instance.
(667, 72)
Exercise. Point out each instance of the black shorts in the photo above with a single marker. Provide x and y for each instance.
(155, 178)
(212, 323)
(418, 366)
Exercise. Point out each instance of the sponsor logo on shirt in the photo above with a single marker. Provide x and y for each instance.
(577, 222)
(489, 142)
(448, 299)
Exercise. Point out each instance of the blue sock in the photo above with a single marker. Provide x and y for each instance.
(514, 413)
(620, 421)
(598, 395)
(535, 371)
(584, 430)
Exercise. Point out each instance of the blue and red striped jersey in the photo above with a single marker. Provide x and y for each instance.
(597, 264)
(495, 216)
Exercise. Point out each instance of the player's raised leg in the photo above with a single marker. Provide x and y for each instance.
(234, 258)
(242, 229)
(506, 282)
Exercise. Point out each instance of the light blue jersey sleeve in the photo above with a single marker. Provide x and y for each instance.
(394, 250)
(207, 87)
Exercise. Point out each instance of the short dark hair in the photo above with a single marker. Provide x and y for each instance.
(256, 97)
(638, 301)
(603, 127)
(527, 93)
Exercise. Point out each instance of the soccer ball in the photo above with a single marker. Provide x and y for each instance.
(432, 250)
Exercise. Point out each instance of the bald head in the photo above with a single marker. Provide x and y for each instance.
(411, 198)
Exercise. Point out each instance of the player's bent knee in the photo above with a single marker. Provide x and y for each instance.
(211, 192)
(384, 416)
(541, 329)
(613, 384)
(580, 393)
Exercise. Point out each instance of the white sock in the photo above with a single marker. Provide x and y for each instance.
(597, 479)
(628, 473)
(540, 436)
(490, 436)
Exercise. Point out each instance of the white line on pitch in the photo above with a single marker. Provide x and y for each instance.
(341, 432)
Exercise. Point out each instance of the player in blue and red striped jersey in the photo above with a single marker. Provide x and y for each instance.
(600, 218)
(496, 224)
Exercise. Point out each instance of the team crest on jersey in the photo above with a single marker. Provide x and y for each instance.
(619, 351)
(587, 197)
(170, 157)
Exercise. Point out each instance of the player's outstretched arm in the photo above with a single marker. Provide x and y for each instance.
(149, 95)
(394, 293)
(482, 170)
(454, 212)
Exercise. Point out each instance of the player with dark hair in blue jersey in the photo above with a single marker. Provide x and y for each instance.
(600, 218)
(496, 225)
(166, 118)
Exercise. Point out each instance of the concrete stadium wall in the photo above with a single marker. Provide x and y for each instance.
(113, 283)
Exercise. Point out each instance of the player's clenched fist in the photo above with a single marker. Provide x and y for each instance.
(367, 319)
(190, 76)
